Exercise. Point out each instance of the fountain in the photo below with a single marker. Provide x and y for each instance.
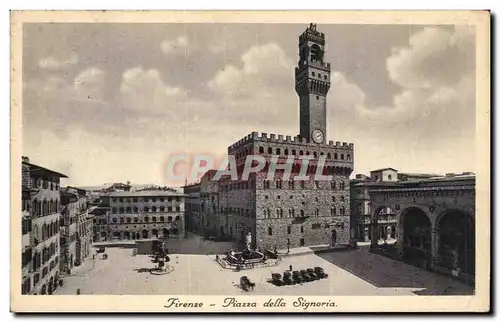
(247, 256)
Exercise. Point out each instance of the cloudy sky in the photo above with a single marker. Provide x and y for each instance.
(112, 102)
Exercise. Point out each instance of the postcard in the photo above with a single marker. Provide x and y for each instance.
(319, 161)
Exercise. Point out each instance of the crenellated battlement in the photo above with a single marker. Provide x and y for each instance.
(279, 138)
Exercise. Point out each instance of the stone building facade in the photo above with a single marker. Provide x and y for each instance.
(282, 212)
(45, 207)
(435, 221)
(76, 228)
(192, 213)
(144, 214)
(26, 226)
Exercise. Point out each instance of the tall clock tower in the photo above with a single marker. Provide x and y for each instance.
(312, 82)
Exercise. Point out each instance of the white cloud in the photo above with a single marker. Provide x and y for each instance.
(144, 90)
(175, 46)
(434, 57)
(52, 62)
(265, 70)
(89, 83)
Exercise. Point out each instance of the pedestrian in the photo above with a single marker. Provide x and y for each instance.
(77, 291)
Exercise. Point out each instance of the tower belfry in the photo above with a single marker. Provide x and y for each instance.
(312, 82)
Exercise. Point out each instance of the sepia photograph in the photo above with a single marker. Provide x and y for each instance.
(253, 162)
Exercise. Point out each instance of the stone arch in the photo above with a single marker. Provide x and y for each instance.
(415, 235)
(381, 231)
(455, 241)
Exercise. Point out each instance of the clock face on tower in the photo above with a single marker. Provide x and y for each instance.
(318, 136)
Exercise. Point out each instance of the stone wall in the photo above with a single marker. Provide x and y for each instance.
(280, 208)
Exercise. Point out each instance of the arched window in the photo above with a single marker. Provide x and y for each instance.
(146, 209)
(162, 219)
(269, 150)
(307, 153)
(146, 219)
(341, 156)
(35, 232)
(115, 220)
(333, 185)
(328, 155)
(153, 218)
(153, 209)
(278, 151)
(294, 152)
(302, 213)
(269, 231)
(129, 220)
(288, 230)
(335, 156)
(169, 219)
(136, 219)
(301, 152)
(261, 149)
(286, 151)
(348, 157)
(35, 207)
(315, 154)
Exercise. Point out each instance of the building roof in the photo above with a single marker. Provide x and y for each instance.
(38, 170)
(419, 175)
(383, 169)
(145, 193)
(365, 183)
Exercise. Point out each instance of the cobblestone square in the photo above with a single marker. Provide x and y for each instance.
(125, 274)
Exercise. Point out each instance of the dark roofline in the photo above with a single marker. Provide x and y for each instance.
(37, 167)
(419, 174)
(78, 189)
(383, 169)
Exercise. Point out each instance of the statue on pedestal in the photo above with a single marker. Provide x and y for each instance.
(249, 241)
